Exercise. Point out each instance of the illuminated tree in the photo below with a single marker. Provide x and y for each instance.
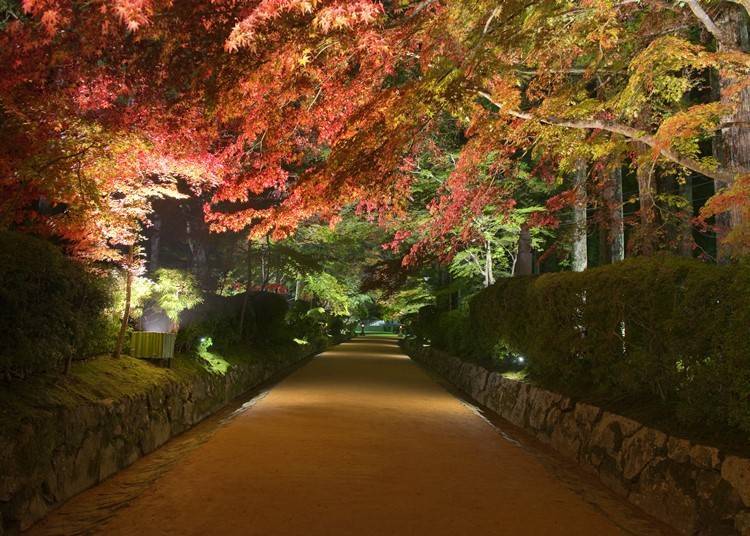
(316, 105)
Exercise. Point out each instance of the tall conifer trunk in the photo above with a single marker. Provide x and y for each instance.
(686, 229)
(733, 144)
(155, 243)
(616, 219)
(126, 310)
(580, 222)
(489, 269)
(248, 287)
(647, 200)
(523, 264)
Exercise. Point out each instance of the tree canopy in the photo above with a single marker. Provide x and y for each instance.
(438, 119)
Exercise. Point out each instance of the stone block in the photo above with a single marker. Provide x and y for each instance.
(736, 471)
(678, 449)
(518, 414)
(565, 437)
(660, 494)
(640, 449)
(742, 523)
(610, 432)
(706, 457)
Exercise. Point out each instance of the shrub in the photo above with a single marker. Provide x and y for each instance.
(667, 329)
(270, 317)
(218, 317)
(176, 291)
(339, 326)
(456, 332)
(308, 323)
(51, 308)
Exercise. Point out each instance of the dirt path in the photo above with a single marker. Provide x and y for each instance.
(360, 441)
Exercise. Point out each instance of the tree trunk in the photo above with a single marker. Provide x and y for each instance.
(265, 262)
(279, 274)
(198, 257)
(647, 212)
(297, 289)
(197, 235)
(489, 276)
(248, 287)
(523, 264)
(616, 219)
(735, 135)
(126, 313)
(154, 250)
(733, 147)
(580, 230)
(686, 227)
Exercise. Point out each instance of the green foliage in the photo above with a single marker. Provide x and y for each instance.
(270, 317)
(408, 300)
(498, 234)
(456, 333)
(329, 291)
(670, 330)
(141, 291)
(9, 10)
(50, 308)
(307, 323)
(176, 291)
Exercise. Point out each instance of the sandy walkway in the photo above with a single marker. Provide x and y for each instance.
(361, 441)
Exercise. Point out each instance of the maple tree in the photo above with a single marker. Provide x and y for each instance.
(276, 111)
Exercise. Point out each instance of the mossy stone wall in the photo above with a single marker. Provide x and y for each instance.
(66, 448)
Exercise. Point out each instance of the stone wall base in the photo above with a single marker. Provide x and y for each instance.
(694, 488)
(76, 448)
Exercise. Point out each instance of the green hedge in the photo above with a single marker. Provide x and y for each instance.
(218, 317)
(456, 332)
(667, 329)
(51, 309)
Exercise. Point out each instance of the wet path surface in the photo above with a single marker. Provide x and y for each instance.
(360, 441)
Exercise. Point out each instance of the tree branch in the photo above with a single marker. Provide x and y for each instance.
(707, 21)
(421, 7)
(495, 13)
(54, 161)
(626, 131)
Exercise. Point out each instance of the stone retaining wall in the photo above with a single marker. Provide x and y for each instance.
(695, 488)
(76, 448)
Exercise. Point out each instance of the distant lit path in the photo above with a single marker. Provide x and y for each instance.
(360, 441)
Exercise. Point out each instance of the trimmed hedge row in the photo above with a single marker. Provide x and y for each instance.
(51, 309)
(269, 320)
(664, 328)
(456, 333)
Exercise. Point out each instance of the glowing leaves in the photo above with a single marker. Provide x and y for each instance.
(55, 14)
(51, 13)
(133, 13)
(246, 31)
(98, 93)
(660, 75)
(505, 93)
(683, 131)
(328, 16)
(344, 15)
